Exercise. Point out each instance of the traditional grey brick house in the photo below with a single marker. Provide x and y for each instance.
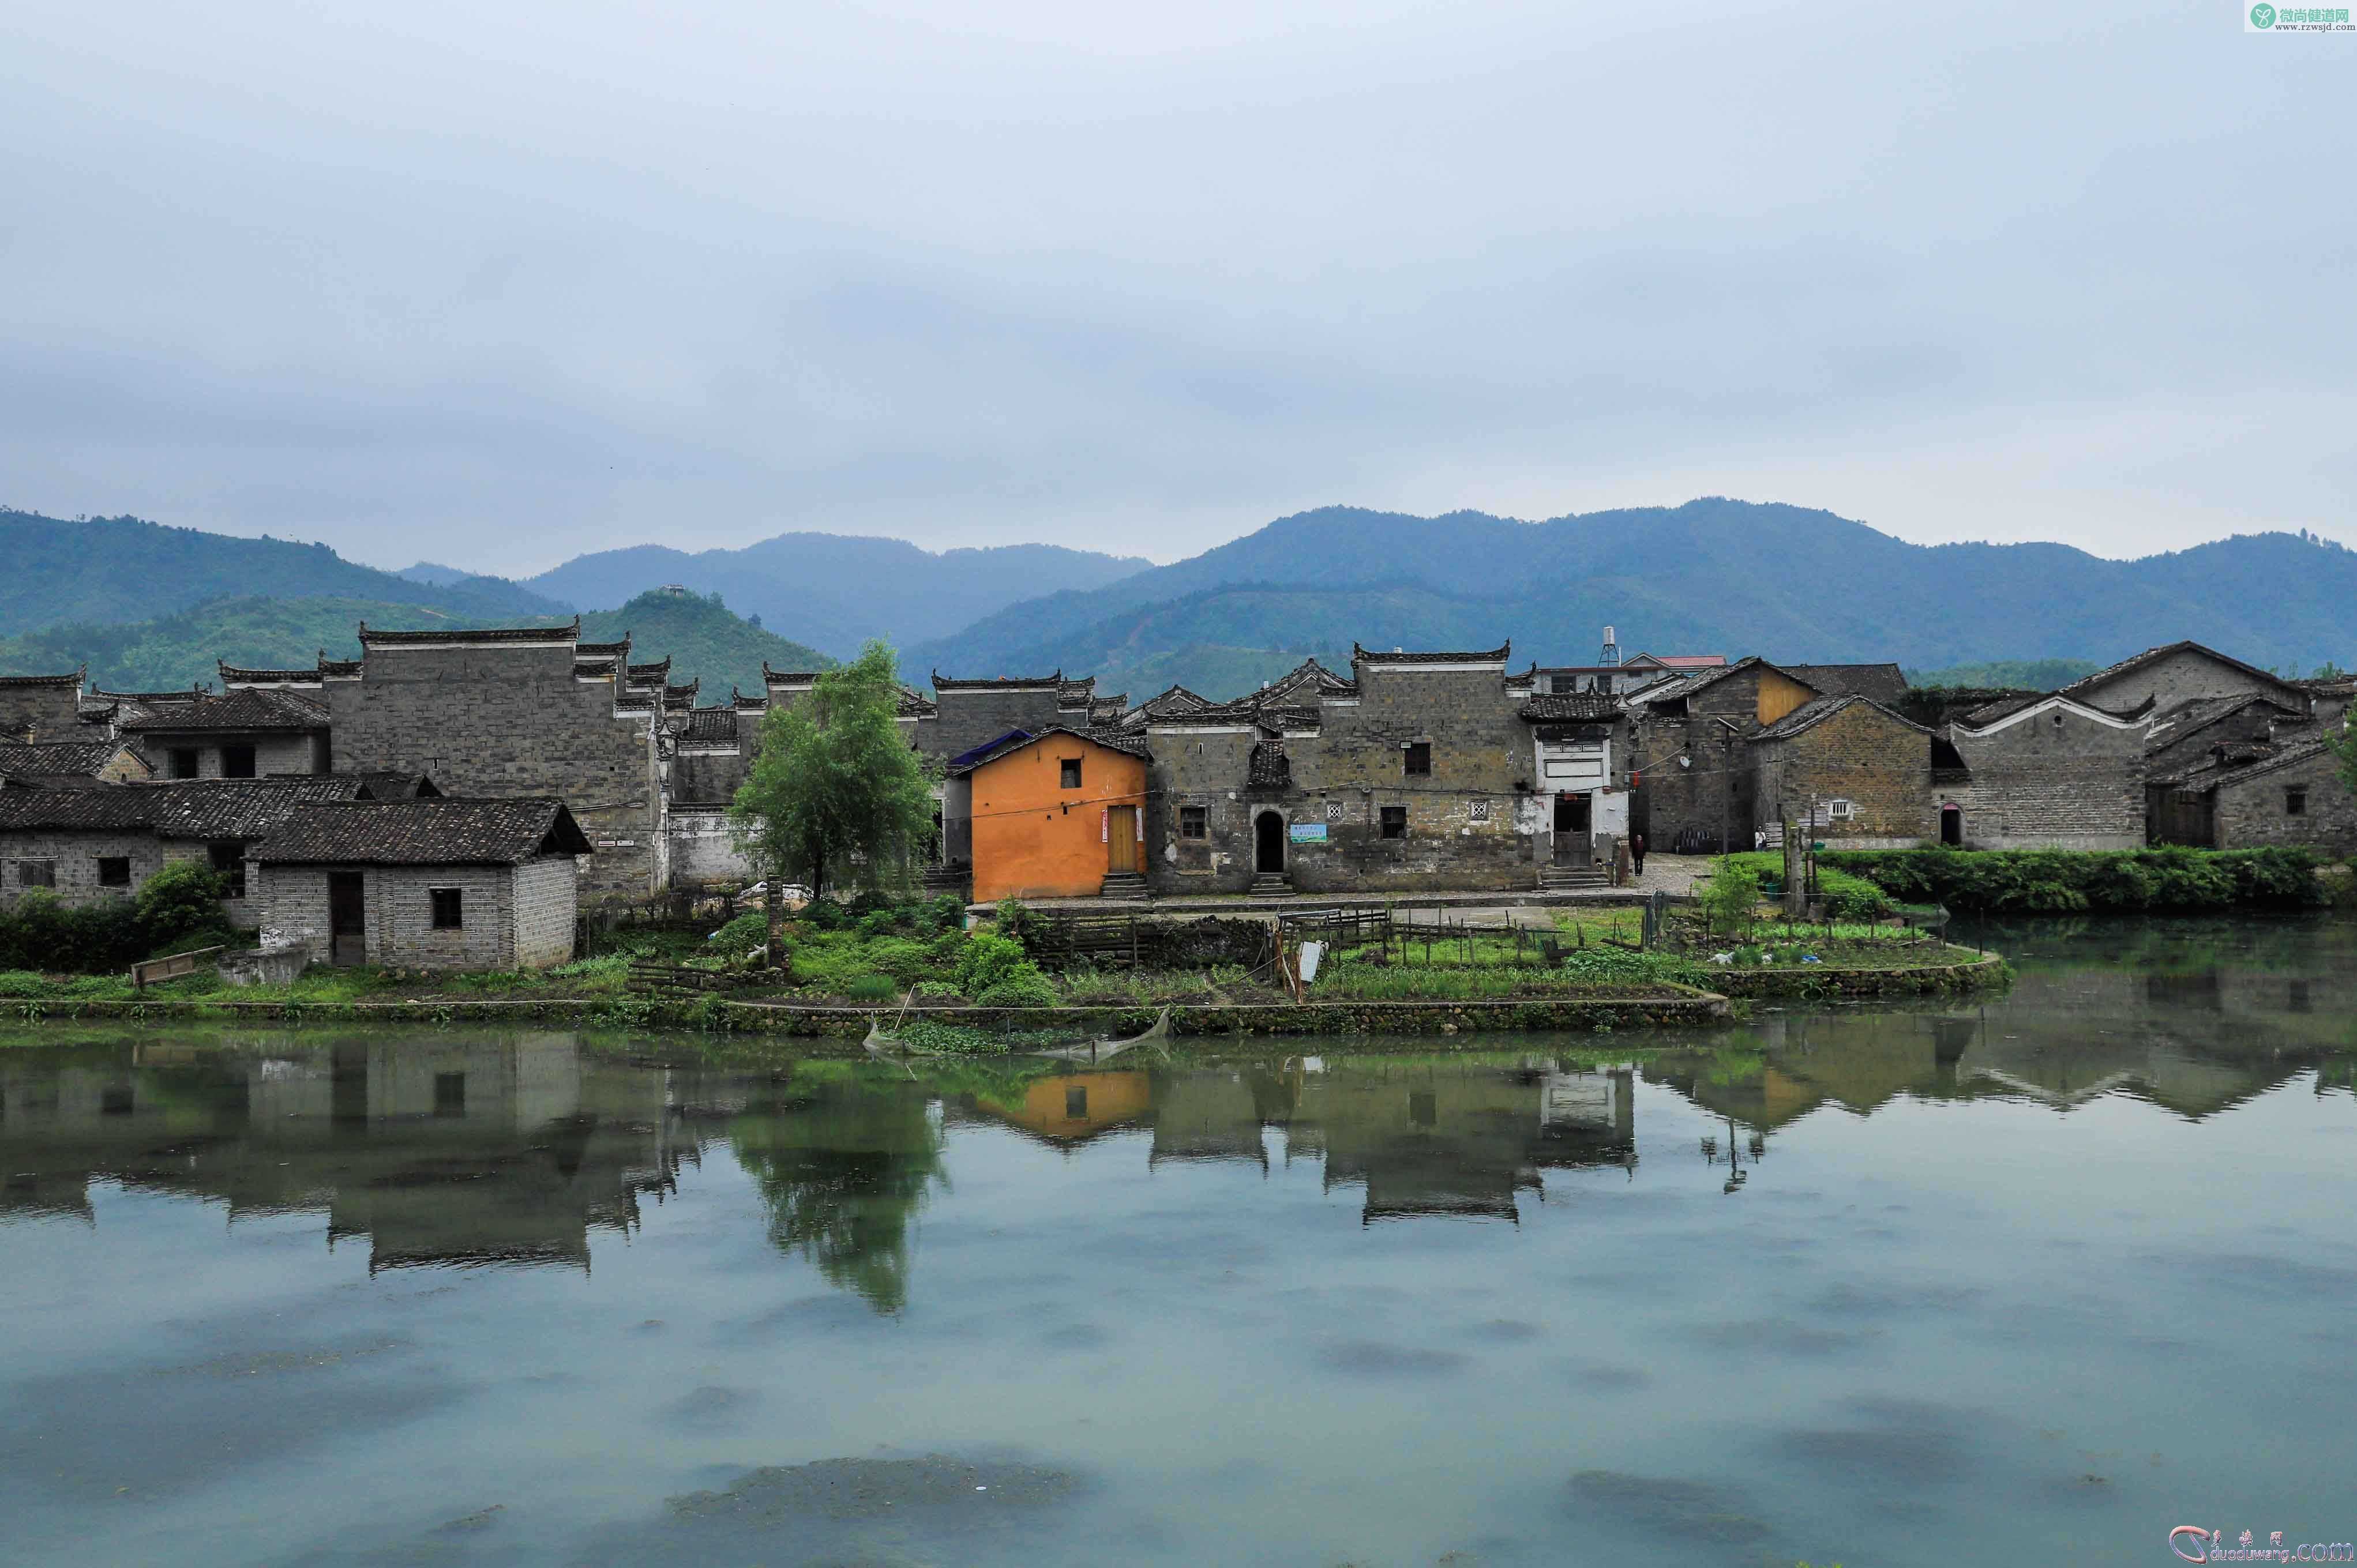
(2047, 773)
(1422, 772)
(1852, 771)
(424, 884)
(42, 707)
(2260, 795)
(527, 712)
(250, 732)
(90, 845)
(69, 764)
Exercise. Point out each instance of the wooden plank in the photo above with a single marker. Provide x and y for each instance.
(153, 971)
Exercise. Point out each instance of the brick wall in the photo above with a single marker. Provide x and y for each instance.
(51, 712)
(2176, 677)
(2251, 812)
(2040, 784)
(1878, 762)
(274, 752)
(967, 719)
(513, 918)
(501, 720)
(73, 857)
(1201, 768)
(2254, 722)
(545, 897)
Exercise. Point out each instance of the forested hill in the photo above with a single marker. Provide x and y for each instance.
(113, 570)
(1713, 575)
(835, 591)
(700, 635)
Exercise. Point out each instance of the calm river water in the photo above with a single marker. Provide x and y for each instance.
(2023, 1281)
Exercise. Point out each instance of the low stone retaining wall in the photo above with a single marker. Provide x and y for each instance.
(1817, 981)
(1674, 1007)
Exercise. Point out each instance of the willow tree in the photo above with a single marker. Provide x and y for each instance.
(837, 798)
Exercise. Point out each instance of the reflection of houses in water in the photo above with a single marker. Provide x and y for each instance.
(1458, 1138)
(437, 1151)
(1070, 1109)
(2195, 1042)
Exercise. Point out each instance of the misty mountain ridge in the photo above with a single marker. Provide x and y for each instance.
(1714, 576)
(835, 591)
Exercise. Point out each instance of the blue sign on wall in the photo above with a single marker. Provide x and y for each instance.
(1308, 832)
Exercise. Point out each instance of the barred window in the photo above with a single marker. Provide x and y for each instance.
(1419, 760)
(1479, 811)
(1190, 822)
(2296, 802)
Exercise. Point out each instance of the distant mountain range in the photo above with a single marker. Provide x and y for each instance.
(835, 592)
(1713, 575)
(107, 570)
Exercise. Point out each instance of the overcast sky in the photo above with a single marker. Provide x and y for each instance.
(498, 283)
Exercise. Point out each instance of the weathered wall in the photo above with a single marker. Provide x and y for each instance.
(2251, 813)
(1034, 838)
(73, 858)
(2174, 757)
(505, 719)
(1718, 784)
(1879, 763)
(50, 710)
(2175, 678)
(545, 896)
(274, 751)
(968, 718)
(2040, 784)
(399, 914)
(703, 849)
(1201, 766)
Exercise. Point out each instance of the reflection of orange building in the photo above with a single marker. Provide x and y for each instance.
(1047, 815)
(1070, 1107)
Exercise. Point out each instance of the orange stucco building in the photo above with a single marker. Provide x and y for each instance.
(1047, 815)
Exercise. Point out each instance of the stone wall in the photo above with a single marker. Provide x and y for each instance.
(2251, 812)
(969, 718)
(73, 860)
(1879, 763)
(505, 719)
(2254, 723)
(2059, 780)
(1718, 784)
(1204, 768)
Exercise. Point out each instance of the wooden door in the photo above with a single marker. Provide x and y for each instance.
(346, 919)
(1575, 842)
(1123, 835)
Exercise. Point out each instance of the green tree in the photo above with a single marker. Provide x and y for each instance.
(837, 797)
(2343, 744)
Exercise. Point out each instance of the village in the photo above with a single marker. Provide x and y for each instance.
(457, 799)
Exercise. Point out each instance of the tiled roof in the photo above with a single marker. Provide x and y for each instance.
(1074, 692)
(149, 698)
(602, 649)
(247, 708)
(999, 683)
(478, 634)
(238, 808)
(330, 667)
(916, 705)
(660, 668)
(119, 808)
(57, 756)
(593, 669)
(1498, 655)
(1982, 717)
(13, 779)
(1809, 715)
(445, 831)
(21, 682)
(2178, 720)
(788, 677)
(1268, 767)
(1701, 679)
(234, 675)
(1680, 660)
(1885, 683)
(1570, 707)
(2250, 759)
(711, 726)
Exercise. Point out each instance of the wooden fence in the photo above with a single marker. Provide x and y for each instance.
(151, 971)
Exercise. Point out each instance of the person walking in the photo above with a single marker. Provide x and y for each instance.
(1637, 852)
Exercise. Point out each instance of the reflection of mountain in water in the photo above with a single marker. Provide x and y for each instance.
(436, 1150)
(2193, 1040)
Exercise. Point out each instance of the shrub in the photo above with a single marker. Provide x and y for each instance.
(1731, 895)
(1022, 986)
(989, 959)
(2065, 881)
(41, 933)
(872, 988)
(182, 898)
(742, 934)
